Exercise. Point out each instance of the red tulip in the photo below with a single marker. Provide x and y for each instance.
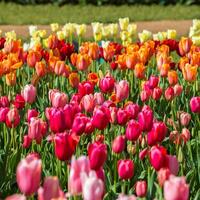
(107, 84)
(158, 157)
(85, 87)
(157, 133)
(97, 153)
(65, 145)
(169, 94)
(19, 101)
(79, 124)
(69, 114)
(145, 118)
(57, 118)
(4, 101)
(153, 81)
(163, 175)
(29, 93)
(3, 114)
(118, 144)
(172, 164)
(125, 169)
(133, 130)
(101, 117)
(143, 153)
(157, 93)
(185, 134)
(26, 141)
(133, 110)
(141, 188)
(195, 104)
(29, 174)
(12, 118)
(31, 113)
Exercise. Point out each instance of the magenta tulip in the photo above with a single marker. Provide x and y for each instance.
(118, 144)
(133, 130)
(195, 104)
(125, 169)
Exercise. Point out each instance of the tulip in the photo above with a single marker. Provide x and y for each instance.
(125, 169)
(133, 110)
(145, 95)
(122, 90)
(101, 117)
(29, 93)
(157, 93)
(57, 118)
(4, 101)
(65, 146)
(78, 166)
(12, 118)
(93, 187)
(88, 102)
(139, 70)
(157, 133)
(100, 174)
(59, 68)
(28, 175)
(126, 197)
(185, 118)
(195, 104)
(141, 188)
(185, 134)
(74, 79)
(176, 188)
(118, 144)
(58, 99)
(173, 164)
(37, 129)
(163, 175)
(31, 113)
(178, 90)
(97, 153)
(145, 118)
(143, 153)
(11, 78)
(79, 124)
(122, 116)
(169, 93)
(99, 98)
(123, 23)
(40, 68)
(16, 197)
(158, 157)
(3, 114)
(184, 45)
(89, 128)
(153, 81)
(133, 130)
(85, 88)
(33, 57)
(51, 189)
(26, 141)
(107, 84)
(19, 101)
(190, 72)
(69, 114)
(172, 77)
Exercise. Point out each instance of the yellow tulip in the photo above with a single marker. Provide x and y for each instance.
(32, 30)
(106, 31)
(123, 23)
(81, 30)
(42, 33)
(69, 28)
(60, 35)
(162, 36)
(145, 35)
(54, 27)
(132, 29)
(97, 27)
(196, 40)
(171, 34)
(10, 36)
(113, 29)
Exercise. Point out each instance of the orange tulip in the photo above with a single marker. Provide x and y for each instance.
(190, 72)
(162, 59)
(52, 41)
(12, 47)
(195, 58)
(113, 98)
(59, 68)
(121, 60)
(151, 46)
(11, 78)
(73, 58)
(164, 70)
(184, 45)
(109, 52)
(144, 54)
(52, 62)
(40, 68)
(183, 61)
(132, 48)
(93, 51)
(172, 77)
(74, 79)
(93, 77)
(83, 62)
(163, 49)
(131, 60)
(33, 57)
(139, 70)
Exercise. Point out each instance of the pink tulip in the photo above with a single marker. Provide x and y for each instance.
(85, 87)
(69, 114)
(78, 166)
(157, 133)
(163, 175)
(153, 81)
(118, 144)
(101, 117)
(4, 101)
(97, 153)
(12, 118)
(122, 90)
(29, 93)
(172, 164)
(126, 197)
(29, 174)
(88, 102)
(133, 110)
(185, 134)
(58, 99)
(195, 104)
(19, 101)
(141, 188)
(26, 141)
(107, 84)
(93, 187)
(169, 93)
(133, 130)
(51, 189)
(125, 169)
(178, 89)
(145, 118)
(122, 116)
(16, 197)
(157, 93)
(79, 124)
(113, 114)
(185, 118)
(99, 98)
(143, 153)
(31, 113)
(176, 188)
(3, 114)
(65, 145)
(145, 95)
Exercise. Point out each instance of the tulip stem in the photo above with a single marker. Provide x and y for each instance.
(123, 187)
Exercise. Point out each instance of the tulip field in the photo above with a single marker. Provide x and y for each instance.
(116, 117)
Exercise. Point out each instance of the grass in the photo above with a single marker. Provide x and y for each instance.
(45, 14)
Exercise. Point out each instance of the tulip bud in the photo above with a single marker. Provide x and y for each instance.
(169, 93)
(178, 90)
(26, 142)
(195, 104)
(99, 98)
(88, 102)
(125, 169)
(141, 188)
(29, 93)
(153, 81)
(145, 95)
(157, 93)
(185, 118)
(143, 153)
(118, 144)
(185, 134)
(85, 87)
(12, 118)
(133, 130)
